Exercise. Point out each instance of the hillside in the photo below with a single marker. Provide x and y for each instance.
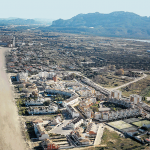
(118, 24)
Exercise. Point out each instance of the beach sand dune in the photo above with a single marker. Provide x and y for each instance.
(10, 133)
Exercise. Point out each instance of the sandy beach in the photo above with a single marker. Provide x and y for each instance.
(10, 133)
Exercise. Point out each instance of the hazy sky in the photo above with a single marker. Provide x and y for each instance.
(65, 9)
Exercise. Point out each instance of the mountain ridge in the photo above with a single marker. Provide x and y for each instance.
(17, 21)
(118, 24)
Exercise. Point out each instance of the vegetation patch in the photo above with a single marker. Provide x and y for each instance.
(113, 107)
(141, 87)
(114, 141)
(22, 110)
(110, 80)
(30, 130)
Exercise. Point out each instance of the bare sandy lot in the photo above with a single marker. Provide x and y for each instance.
(10, 133)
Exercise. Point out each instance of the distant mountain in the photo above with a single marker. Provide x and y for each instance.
(18, 21)
(118, 24)
(44, 21)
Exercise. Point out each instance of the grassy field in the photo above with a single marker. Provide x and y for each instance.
(110, 80)
(141, 87)
(146, 92)
(120, 124)
(115, 142)
(140, 123)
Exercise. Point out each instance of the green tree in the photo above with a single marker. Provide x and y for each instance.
(95, 109)
(46, 103)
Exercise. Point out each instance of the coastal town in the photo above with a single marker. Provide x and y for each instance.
(82, 112)
(59, 105)
(75, 75)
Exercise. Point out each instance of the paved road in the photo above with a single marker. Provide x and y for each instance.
(99, 135)
(137, 79)
(110, 89)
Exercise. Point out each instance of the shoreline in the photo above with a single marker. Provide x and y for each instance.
(10, 135)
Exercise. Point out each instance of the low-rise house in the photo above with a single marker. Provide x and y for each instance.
(47, 144)
(41, 88)
(100, 96)
(36, 102)
(91, 129)
(79, 138)
(40, 132)
(86, 102)
(52, 108)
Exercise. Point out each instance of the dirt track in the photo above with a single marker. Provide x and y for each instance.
(126, 84)
(10, 133)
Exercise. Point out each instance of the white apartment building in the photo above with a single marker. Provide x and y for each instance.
(52, 108)
(55, 91)
(105, 116)
(86, 92)
(135, 98)
(39, 129)
(56, 121)
(40, 132)
(116, 94)
(36, 102)
(72, 111)
(72, 100)
(23, 76)
(76, 122)
(97, 115)
(88, 113)
(112, 115)
(46, 74)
